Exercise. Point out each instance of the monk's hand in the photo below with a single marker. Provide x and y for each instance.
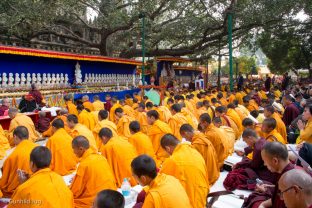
(263, 187)
(22, 176)
(239, 153)
(300, 125)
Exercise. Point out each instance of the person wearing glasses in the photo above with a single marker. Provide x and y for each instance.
(296, 189)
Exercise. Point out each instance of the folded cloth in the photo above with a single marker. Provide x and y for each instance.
(242, 178)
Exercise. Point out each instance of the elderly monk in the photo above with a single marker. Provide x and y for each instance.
(70, 105)
(45, 187)
(103, 122)
(140, 141)
(295, 187)
(77, 129)
(221, 112)
(86, 118)
(17, 160)
(115, 105)
(202, 144)
(164, 190)
(123, 122)
(216, 137)
(19, 119)
(86, 103)
(5, 105)
(157, 130)
(63, 159)
(109, 199)
(271, 134)
(177, 120)
(93, 174)
(63, 116)
(4, 143)
(141, 117)
(119, 154)
(269, 112)
(186, 164)
(97, 104)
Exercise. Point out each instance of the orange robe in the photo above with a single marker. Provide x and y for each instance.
(141, 117)
(164, 191)
(46, 188)
(129, 111)
(98, 105)
(231, 98)
(191, 119)
(239, 98)
(112, 112)
(103, 124)
(82, 130)
(164, 113)
(48, 132)
(129, 102)
(240, 113)
(235, 117)
(275, 136)
(203, 145)
(230, 137)
(306, 133)
(72, 109)
(88, 104)
(223, 102)
(280, 125)
(63, 159)
(119, 154)
(23, 120)
(155, 133)
(123, 126)
(227, 121)
(18, 159)
(142, 143)
(4, 143)
(188, 165)
(87, 119)
(175, 123)
(189, 106)
(200, 111)
(93, 175)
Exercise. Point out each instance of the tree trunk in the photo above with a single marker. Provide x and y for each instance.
(103, 46)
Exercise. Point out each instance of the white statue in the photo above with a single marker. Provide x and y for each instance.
(23, 79)
(66, 79)
(11, 80)
(78, 75)
(4, 80)
(17, 80)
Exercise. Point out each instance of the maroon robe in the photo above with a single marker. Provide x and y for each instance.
(3, 108)
(108, 105)
(290, 114)
(43, 124)
(37, 96)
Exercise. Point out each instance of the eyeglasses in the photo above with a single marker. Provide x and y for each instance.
(282, 192)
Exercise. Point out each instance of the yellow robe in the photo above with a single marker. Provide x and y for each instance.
(82, 130)
(46, 188)
(306, 133)
(239, 98)
(142, 143)
(175, 123)
(141, 117)
(223, 102)
(200, 111)
(166, 191)
(23, 120)
(244, 110)
(235, 117)
(88, 104)
(72, 109)
(164, 113)
(188, 165)
(98, 105)
(227, 121)
(129, 102)
(275, 136)
(86, 119)
(112, 112)
(48, 132)
(18, 159)
(63, 159)
(129, 111)
(93, 175)
(123, 126)
(219, 142)
(155, 133)
(191, 119)
(230, 137)
(103, 124)
(280, 125)
(189, 106)
(119, 154)
(231, 98)
(4, 143)
(240, 113)
(202, 144)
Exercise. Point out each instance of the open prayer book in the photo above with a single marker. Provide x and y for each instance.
(232, 159)
(228, 201)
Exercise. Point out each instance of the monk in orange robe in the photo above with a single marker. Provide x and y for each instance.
(115, 105)
(250, 104)
(86, 103)
(190, 117)
(221, 112)
(137, 96)
(157, 130)
(228, 133)
(77, 129)
(140, 141)
(164, 113)
(162, 189)
(18, 159)
(128, 100)
(123, 123)
(4, 143)
(222, 100)
(93, 174)
(209, 109)
(86, 118)
(248, 123)
(202, 144)
(97, 104)
(63, 159)
(177, 120)
(231, 113)
(239, 98)
(269, 128)
(62, 115)
(44, 187)
(119, 154)
(141, 117)
(216, 137)
(231, 97)
(128, 110)
(103, 122)
(70, 105)
(269, 112)
(200, 109)
(19, 119)
(186, 164)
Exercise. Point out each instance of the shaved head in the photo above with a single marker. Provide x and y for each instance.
(63, 111)
(299, 178)
(80, 141)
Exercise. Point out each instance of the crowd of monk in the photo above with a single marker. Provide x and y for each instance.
(174, 150)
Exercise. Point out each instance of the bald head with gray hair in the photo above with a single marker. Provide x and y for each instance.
(85, 98)
(12, 112)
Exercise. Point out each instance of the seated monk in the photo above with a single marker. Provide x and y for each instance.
(269, 128)
(86, 118)
(177, 120)
(164, 191)
(135, 105)
(221, 112)
(17, 160)
(142, 118)
(4, 143)
(119, 154)
(97, 104)
(200, 109)
(123, 122)
(63, 159)
(109, 199)
(231, 113)
(103, 122)
(216, 137)
(72, 109)
(128, 110)
(248, 123)
(43, 122)
(63, 116)
(157, 130)
(86, 103)
(77, 129)
(202, 144)
(115, 105)
(186, 164)
(93, 174)
(128, 100)
(19, 119)
(269, 112)
(44, 186)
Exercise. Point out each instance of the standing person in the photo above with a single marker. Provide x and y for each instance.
(285, 81)
(36, 94)
(267, 83)
(108, 102)
(240, 82)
